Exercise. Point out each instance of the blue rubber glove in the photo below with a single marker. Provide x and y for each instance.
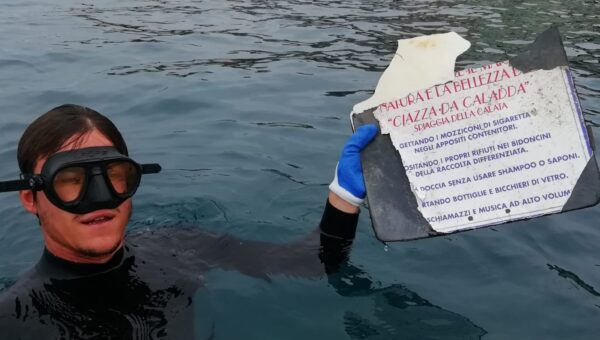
(348, 182)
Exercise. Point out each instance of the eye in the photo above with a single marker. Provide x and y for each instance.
(123, 176)
(68, 183)
(70, 179)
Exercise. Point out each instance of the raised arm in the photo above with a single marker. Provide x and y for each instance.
(322, 251)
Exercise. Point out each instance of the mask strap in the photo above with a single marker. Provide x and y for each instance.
(16, 185)
(152, 168)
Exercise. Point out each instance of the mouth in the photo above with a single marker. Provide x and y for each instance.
(96, 218)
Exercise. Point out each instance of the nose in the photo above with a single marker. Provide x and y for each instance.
(97, 195)
(98, 191)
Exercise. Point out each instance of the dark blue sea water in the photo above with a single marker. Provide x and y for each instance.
(245, 104)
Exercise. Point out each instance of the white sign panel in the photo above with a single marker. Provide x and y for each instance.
(493, 145)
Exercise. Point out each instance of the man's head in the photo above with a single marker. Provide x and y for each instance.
(91, 237)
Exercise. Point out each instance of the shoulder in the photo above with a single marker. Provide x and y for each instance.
(18, 314)
(14, 300)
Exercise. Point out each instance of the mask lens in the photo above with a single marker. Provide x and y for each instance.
(68, 183)
(123, 177)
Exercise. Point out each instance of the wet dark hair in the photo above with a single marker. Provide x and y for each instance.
(49, 132)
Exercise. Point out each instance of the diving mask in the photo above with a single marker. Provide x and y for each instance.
(83, 180)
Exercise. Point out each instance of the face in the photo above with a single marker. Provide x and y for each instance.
(89, 238)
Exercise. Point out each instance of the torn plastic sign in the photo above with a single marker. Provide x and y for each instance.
(493, 145)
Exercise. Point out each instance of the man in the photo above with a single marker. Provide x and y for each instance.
(93, 283)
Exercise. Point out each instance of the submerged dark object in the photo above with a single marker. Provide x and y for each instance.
(393, 207)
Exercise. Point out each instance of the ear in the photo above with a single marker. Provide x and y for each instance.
(28, 201)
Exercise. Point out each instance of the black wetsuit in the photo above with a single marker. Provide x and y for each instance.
(148, 289)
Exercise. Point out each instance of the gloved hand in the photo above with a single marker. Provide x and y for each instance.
(348, 182)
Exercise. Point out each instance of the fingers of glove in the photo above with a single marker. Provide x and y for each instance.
(361, 137)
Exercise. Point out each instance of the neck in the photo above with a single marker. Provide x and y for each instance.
(81, 256)
(61, 269)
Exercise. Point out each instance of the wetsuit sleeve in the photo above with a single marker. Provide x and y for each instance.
(338, 224)
(338, 229)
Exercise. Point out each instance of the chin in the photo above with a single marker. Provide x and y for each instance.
(102, 247)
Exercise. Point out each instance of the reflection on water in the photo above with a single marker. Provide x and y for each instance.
(246, 103)
(574, 278)
(397, 312)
